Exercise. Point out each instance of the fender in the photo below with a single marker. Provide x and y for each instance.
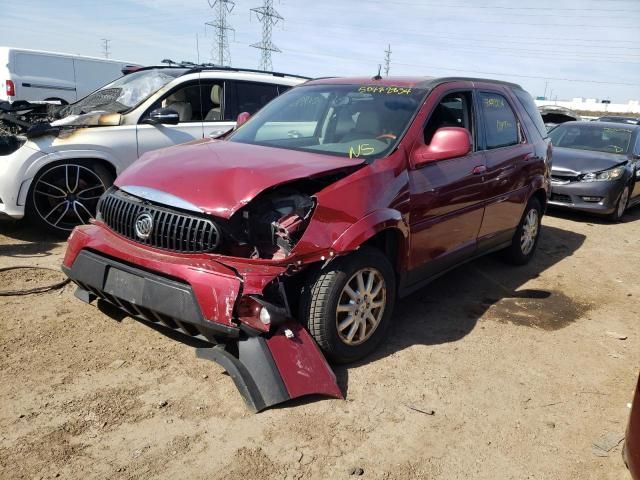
(368, 226)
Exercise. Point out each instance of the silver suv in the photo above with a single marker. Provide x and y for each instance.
(60, 169)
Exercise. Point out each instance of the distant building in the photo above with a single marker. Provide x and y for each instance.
(594, 105)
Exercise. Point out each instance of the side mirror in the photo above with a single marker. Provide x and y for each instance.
(162, 116)
(447, 142)
(242, 118)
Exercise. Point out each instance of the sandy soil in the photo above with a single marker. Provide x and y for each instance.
(516, 363)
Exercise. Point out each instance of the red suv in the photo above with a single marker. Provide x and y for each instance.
(318, 212)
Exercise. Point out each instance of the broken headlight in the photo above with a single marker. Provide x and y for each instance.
(606, 175)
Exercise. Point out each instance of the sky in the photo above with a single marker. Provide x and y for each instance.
(568, 48)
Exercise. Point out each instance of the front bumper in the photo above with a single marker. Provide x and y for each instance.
(195, 295)
(572, 196)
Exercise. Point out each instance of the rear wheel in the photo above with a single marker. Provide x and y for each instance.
(65, 195)
(347, 306)
(525, 240)
(621, 206)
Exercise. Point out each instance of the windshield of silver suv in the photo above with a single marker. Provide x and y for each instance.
(124, 93)
(344, 120)
(588, 136)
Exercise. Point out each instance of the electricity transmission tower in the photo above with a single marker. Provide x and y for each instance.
(387, 60)
(268, 16)
(105, 47)
(220, 47)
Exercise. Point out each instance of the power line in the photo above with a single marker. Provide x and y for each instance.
(220, 46)
(105, 47)
(364, 60)
(387, 60)
(268, 16)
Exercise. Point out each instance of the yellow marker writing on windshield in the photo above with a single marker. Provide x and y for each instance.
(363, 149)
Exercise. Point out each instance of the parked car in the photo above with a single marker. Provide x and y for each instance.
(631, 449)
(627, 120)
(554, 115)
(34, 75)
(328, 204)
(60, 169)
(596, 167)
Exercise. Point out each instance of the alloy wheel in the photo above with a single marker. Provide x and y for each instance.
(622, 203)
(67, 195)
(361, 306)
(529, 231)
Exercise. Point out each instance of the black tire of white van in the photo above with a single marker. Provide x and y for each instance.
(93, 174)
(521, 252)
(326, 290)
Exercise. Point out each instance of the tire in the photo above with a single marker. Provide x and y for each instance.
(64, 195)
(621, 205)
(327, 289)
(525, 240)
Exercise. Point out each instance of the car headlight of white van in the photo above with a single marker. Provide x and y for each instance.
(606, 175)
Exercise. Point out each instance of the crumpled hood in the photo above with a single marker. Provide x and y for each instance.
(584, 161)
(220, 177)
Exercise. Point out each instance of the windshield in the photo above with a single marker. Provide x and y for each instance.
(344, 120)
(124, 93)
(591, 137)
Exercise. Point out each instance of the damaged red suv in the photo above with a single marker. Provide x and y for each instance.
(313, 217)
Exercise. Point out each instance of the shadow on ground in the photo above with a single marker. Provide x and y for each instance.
(23, 240)
(449, 308)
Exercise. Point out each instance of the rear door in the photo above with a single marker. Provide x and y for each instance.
(507, 153)
(447, 197)
(218, 107)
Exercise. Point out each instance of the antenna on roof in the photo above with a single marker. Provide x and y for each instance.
(378, 76)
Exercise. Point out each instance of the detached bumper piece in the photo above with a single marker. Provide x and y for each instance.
(267, 370)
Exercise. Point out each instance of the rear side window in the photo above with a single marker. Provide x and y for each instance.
(530, 107)
(251, 97)
(501, 125)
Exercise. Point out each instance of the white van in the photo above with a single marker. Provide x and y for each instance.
(35, 75)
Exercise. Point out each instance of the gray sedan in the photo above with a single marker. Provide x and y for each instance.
(596, 167)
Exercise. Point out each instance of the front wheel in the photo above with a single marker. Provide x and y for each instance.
(525, 240)
(621, 206)
(347, 306)
(65, 195)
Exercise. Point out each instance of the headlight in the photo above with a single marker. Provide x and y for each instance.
(612, 174)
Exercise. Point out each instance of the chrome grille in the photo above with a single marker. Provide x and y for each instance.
(171, 230)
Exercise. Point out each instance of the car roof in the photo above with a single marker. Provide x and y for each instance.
(408, 81)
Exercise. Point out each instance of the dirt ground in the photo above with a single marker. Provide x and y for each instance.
(519, 365)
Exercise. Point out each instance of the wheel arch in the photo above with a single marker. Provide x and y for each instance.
(385, 230)
(52, 160)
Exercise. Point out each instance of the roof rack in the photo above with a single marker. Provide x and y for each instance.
(194, 67)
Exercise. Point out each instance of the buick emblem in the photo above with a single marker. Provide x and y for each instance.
(144, 225)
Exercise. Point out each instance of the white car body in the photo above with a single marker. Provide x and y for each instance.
(35, 75)
(117, 140)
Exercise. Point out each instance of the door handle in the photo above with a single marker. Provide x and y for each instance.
(479, 170)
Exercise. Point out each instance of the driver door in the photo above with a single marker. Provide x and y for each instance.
(185, 100)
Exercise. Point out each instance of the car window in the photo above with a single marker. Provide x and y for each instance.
(454, 110)
(343, 120)
(251, 97)
(530, 107)
(500, 123)
(591, 136)
(194, 102)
